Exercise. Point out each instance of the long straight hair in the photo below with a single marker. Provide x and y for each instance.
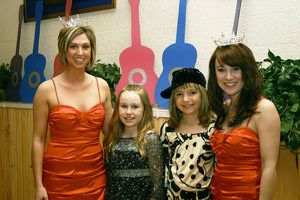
(116, 127)
(235, 55)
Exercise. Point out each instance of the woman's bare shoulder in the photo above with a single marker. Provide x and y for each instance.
(102, 82)
(45, 86)
(266, 113)
(265, 105)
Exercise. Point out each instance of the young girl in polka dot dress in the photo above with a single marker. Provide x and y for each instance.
(185, 137)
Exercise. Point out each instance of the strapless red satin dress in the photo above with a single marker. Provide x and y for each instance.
(238, 170)
(73, 161)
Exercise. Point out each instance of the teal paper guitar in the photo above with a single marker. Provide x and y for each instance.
(34, 63)
(175, 56)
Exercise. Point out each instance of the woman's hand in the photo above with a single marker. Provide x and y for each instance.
(41, 194)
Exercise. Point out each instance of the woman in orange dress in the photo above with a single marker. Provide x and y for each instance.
(247, 135)
(77, 106)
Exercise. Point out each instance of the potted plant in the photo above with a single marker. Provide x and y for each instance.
(282, 86)
(110, 73)
(5, 75)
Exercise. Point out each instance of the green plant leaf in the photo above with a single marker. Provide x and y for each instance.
(110, 73)
(295, 108)
(282, 86)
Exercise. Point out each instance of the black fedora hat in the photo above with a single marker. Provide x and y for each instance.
(182, 76)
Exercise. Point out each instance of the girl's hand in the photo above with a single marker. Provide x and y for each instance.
(41, 194)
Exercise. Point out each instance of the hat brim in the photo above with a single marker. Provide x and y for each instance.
(167, 92)
(182, 76)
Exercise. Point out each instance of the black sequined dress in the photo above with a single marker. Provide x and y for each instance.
(134, 178)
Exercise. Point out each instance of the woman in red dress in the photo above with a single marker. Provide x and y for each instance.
(247, 135)
(77, 106)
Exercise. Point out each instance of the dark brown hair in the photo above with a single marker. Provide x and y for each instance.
(235, 55)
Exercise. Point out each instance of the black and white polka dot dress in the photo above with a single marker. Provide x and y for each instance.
(189, 163)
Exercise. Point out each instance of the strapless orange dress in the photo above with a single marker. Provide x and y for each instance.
(73, 161)
(238, 170)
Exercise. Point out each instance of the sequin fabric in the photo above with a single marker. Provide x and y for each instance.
(131, 177)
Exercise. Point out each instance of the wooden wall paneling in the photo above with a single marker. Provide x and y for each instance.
(158, 122)
(20, 121)
(288, 178)
(5, 175)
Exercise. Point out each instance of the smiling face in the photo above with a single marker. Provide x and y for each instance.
(131, 109)
(229, 79)
(187, 100)
(79, 52)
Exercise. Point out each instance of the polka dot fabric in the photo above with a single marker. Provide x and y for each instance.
(189, 164)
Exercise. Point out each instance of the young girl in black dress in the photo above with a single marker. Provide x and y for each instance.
(134, 163)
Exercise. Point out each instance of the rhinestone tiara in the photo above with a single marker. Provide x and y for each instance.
(76, 21)
(233, 39)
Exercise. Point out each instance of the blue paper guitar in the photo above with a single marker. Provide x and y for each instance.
(16, 65)
(175, 56)
(34, 63)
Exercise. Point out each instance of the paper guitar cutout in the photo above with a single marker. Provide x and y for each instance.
(16, 65)
(236, 16)
(137, 61)
(58, 66)
(34, 63)
(175, 56)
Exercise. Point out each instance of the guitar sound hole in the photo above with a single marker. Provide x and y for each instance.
(34, 79)
(137, 76)
(14, 79)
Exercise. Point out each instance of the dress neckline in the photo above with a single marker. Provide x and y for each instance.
(236, 129)
(72, 107)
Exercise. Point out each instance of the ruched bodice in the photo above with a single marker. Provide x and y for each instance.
(62, 117)
(238, 169)
(73, 161)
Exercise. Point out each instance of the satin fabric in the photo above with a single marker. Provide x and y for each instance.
(73, 161)
(238, 170)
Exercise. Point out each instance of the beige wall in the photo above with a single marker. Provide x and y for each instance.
(269, 24)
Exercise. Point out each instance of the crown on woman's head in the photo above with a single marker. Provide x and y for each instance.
(233, 39)
(77, 21)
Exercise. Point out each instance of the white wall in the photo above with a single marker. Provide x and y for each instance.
(269, 24)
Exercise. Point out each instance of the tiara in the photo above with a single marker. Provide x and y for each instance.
(233, 39)
(77, 21)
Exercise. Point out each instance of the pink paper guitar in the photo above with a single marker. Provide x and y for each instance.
(58, 66)
(137, 61)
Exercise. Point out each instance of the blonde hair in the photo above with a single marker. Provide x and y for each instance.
(67, 34)
(116, 127)
(205, 114)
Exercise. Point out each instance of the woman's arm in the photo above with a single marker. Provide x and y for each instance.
(107, 106)
(40, 124)
(268, 128)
